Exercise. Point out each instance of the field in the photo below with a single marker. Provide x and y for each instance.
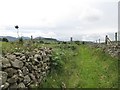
(75, 66)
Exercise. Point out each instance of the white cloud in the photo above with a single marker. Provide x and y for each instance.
(90, 14)
(58, 18)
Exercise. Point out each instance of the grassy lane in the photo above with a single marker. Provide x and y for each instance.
(89, 68)
(95, 69)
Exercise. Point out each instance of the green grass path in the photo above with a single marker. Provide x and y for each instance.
(90, 68)
(94, 69)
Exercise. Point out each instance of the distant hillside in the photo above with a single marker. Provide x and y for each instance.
(10, 38)
(25, 38)
(43, 38)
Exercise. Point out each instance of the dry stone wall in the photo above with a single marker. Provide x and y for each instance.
(113, 50)
(25, 69)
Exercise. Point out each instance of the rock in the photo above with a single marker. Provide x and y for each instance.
(37, 75)
(48, 52)
(20, 79)
(39, 70)
(36, 62)
(17, 54)
(38, 57)
(26, 64)
(32, 77)
(47, 59)
(5, 63)
(63, 85)
(18, 58)
(44, 74)
(41, 49)
(3, 77)
(40, 79)
(26, 79)
(25, 70)
(48, 64)
(17, 64)
(39, 65)
(20, 74)
(13, 79)
(22, 58)
(43, 55)
(35, 68)
(50, 49)
(10, 71)
(46, 68)
(13, 86)
(21, 85)
(41, 62)
(42, 69)
(31, 85)
(11, 57)
(6, 85)
(30, 67)
(44, 65)
(31, 58)
(27, 54)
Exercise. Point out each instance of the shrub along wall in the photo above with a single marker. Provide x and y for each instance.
(25, 69)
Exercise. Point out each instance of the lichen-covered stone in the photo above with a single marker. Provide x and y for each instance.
(10, 71)
(17, 63)
(11, 57)
(26, 79)
(3, 77)
(14, 86)
(5, 63)
(13, 79)
(20, 73)
(17, 54)
(25, 70)
(21, 85)
(5, 86)
(32, 77)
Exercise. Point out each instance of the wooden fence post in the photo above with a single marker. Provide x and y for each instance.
(106, 37)
(71, 39)
(31, 37)
(99, 41)
(116, 37)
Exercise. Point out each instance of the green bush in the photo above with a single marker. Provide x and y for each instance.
(0, 39)
(57, 61)
(21, 39)
(77, 42)
(41, 41)
(83, 42)
(4, 39)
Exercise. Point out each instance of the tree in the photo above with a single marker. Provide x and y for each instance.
(4, 39)
(21, 40)
(0, 39)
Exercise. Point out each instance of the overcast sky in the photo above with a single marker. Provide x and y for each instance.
(60, 19)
